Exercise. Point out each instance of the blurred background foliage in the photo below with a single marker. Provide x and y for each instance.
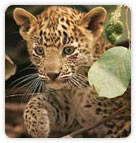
(16, 49)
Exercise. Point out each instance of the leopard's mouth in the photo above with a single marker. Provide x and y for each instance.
(49, 81)
(71, 81)
(53, 84)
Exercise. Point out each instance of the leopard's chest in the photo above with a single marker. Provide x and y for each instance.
(83, 104)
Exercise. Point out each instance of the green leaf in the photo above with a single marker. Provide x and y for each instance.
(111, 73)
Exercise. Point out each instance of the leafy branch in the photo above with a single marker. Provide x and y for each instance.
(111, 73)
(115, 26)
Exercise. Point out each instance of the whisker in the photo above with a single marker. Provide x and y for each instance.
(79, 81)
(26, 95)
(30, 89)
(24, 80)
(39, 87)
(83, 80)
(81, 77)
(24, 85)
(44, 87)
(69, 85)
(13, 95)
(21, 78)
(74, 82)
(36, 86)
(28, 67)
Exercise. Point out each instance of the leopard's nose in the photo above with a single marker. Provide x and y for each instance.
(53, 75)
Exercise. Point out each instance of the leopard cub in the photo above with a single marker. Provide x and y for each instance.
(63, 43)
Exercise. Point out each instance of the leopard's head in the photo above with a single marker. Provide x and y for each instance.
(61, 43)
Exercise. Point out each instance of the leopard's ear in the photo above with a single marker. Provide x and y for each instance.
(24, 19)
(94, 20)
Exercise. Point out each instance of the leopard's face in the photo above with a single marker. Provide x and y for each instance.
(61, 43)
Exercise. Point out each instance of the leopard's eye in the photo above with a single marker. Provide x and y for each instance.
(39, 51)
(68, 50)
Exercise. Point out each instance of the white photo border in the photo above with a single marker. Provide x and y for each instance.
(4, 4)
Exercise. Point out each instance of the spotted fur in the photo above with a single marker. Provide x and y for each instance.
(63, 43)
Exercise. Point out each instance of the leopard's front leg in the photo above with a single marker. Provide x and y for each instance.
(45, 114)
